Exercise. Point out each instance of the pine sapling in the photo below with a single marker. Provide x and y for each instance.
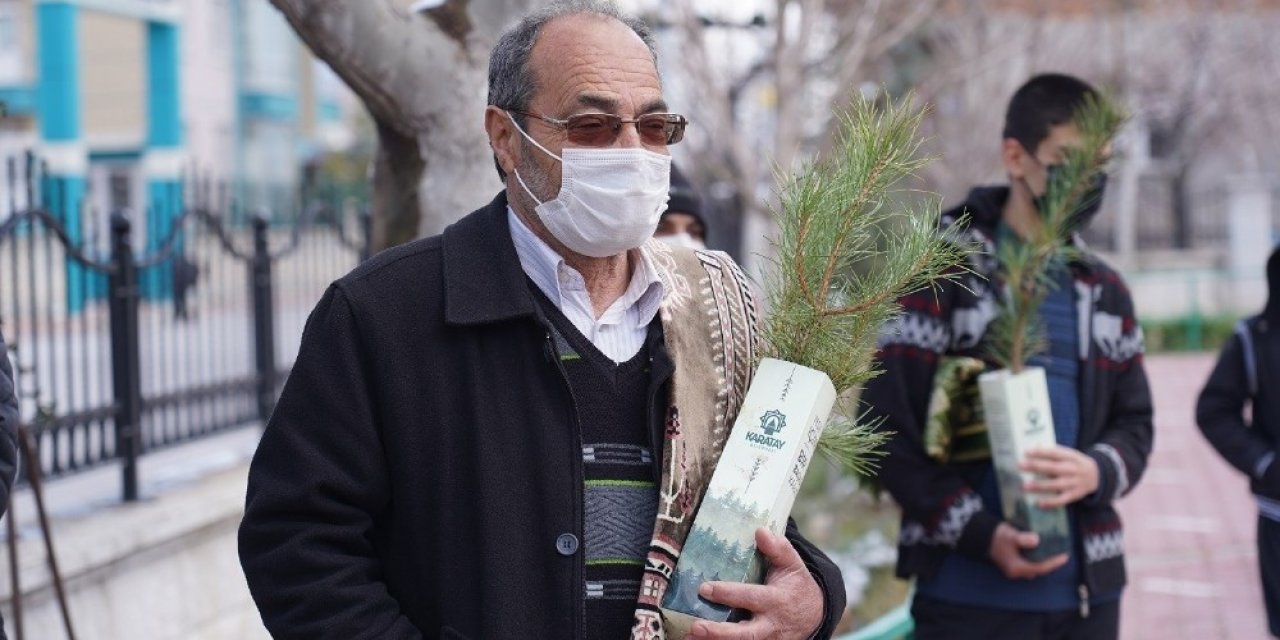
(847, 251)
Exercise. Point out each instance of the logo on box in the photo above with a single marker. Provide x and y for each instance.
(772, 422)
(1034, 424)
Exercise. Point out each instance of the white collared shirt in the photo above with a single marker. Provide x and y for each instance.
(620, 331)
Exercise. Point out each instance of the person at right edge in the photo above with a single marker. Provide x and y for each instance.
(1245, 367)
(972, 579)
(8, 435)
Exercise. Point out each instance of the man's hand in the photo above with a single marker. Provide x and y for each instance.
(1006, 552)
(788, 605)
(1069, 475)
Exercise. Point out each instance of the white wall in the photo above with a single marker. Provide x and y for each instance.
(164, 568)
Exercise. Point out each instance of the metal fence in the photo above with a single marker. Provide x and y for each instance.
(1207, 226)
(178, 327)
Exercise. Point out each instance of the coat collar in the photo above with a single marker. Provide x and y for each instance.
(483, 280)
(984, 207)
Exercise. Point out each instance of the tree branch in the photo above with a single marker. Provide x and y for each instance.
(453, 20)
(383, 52)
(888, 293)
(846, 225)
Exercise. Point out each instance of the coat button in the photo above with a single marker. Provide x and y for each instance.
(567, 544)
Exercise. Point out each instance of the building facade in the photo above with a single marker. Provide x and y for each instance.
(120, 97)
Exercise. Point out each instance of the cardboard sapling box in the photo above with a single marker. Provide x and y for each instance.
(1019, 418)
(754, 485)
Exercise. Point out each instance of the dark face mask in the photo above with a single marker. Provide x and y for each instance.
(1089, 203)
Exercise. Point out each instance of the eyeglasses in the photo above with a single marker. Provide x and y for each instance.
(603, 129)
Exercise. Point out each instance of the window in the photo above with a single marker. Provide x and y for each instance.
(119, 189)
(12, 70)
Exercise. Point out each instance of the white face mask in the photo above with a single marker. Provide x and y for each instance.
(610, 200)
(683, 240)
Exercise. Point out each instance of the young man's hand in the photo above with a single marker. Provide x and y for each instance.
(1006, 552)
(1068, 475)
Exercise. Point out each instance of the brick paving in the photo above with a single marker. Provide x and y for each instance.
(1189, 527)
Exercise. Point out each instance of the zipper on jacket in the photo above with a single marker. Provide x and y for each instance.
(1088, 378)
(1077, 535)
(579, 474)
(658, 436)
(1088, 395)
(548, 351)
(657, 424)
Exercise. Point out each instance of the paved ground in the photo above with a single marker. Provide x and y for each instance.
(1189, 527)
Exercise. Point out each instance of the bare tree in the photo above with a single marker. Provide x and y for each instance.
(422, 76)
(808, 63)
(767, 101)
(1181, 101)
(1189, 70)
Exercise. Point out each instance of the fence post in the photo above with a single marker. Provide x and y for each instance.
(264, 342)
(126, 361)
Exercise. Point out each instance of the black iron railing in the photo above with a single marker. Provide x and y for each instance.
(135, 344)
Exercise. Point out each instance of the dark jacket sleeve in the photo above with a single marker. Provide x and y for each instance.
(1122, 450)
(828, 577)
(8, 427)
(1220, 412)
(897, 400)
(317, 483)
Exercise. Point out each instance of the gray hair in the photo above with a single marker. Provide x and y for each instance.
(511, 81)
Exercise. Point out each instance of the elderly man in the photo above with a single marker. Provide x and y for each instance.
(504, 431)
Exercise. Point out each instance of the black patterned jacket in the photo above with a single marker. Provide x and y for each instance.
(942, 512)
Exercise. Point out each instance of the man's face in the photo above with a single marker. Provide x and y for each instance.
(582, 64)
(675, 222)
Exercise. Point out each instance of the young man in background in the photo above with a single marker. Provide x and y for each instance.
(972, 580)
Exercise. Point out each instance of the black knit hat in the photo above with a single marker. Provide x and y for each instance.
(684, 197)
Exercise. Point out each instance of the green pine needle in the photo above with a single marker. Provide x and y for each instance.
(856, 448)
(848, 251)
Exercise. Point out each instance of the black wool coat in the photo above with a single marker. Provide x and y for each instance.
(421, 476)
(1246, 438)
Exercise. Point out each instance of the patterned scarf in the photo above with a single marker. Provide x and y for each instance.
(709, 320)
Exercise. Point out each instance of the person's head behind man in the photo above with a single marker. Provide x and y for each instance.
(558, 83)
(1038, 129)
(682, 224)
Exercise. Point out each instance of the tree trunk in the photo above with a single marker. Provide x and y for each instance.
(397, 181)
(1180, 188)
(422, 76)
